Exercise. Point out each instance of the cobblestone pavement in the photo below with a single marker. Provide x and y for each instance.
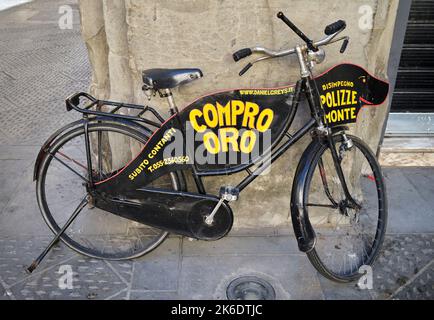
(40, 65)
(181, 269)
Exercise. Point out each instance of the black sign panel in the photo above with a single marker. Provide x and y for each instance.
(345, 89)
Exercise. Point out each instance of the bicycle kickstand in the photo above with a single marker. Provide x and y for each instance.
(74, 215)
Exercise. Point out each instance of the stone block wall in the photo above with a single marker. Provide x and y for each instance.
(125, 37)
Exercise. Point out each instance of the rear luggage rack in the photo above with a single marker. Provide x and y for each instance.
(94, 106)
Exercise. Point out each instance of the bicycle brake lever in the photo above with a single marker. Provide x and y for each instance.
(245, 69)
(344, 45)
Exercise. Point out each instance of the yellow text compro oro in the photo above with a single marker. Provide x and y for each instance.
(233, 125)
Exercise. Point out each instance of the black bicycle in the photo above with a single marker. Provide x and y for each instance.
(113, 184)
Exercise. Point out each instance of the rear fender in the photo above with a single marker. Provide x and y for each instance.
(73, 125)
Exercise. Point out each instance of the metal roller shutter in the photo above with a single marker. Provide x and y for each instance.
(414, 90)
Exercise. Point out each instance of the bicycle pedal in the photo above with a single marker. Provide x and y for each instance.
(229, 193)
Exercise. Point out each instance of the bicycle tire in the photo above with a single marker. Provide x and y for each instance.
(374, 251)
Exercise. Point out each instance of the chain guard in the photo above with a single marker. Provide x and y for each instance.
(181, 213)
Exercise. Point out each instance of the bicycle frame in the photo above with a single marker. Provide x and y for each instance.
(139, 171)
(131, 181)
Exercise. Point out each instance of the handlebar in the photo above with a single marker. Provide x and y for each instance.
(331, 31)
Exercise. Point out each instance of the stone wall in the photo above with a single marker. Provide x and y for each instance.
(126, 36)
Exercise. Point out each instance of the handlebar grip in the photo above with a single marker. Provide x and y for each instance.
(242, 53)
(245, 69)
(335, 27)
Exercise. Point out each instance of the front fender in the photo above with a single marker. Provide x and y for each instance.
(46, 146)
(303, 230)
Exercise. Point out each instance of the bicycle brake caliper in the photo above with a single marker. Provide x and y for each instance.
(227, 193)
(347, 144)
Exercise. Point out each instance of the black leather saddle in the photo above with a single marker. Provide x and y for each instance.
(169, 78)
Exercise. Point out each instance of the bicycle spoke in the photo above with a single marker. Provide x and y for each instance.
(74, 171)
(70, 159)
(321, 205)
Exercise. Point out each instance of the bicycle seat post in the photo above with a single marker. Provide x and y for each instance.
(167, 93)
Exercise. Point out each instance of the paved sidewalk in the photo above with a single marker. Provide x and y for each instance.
(40, 65)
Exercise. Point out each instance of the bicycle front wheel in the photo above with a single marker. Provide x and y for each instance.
(62, 185)
(349, 236)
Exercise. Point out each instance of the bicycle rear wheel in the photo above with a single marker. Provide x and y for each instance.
(348, 236)
(61, 186)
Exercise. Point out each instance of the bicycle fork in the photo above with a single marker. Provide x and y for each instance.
(312, 96)
(339, 171)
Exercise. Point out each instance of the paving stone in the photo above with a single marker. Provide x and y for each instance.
(4, 79)
(10, 46)
(422, 180)
(121, 295)
(3, 294)
(30, 95)
(158, 270)
(18, 153)
(154, 295)
(34, 75)
(40, 65)
(402, 257)
(21, 215)
(292, 276)
(10, 177)
(18, 253)
(242, 245)
(80, 72)
(91, 279)
(409, 212)
(421, 288)
(35, 125)
(17, 59)
(343, 291)
(124, 269)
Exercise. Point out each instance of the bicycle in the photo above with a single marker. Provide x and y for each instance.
(135, 196)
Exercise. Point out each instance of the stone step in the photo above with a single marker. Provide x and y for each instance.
(407, 152)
